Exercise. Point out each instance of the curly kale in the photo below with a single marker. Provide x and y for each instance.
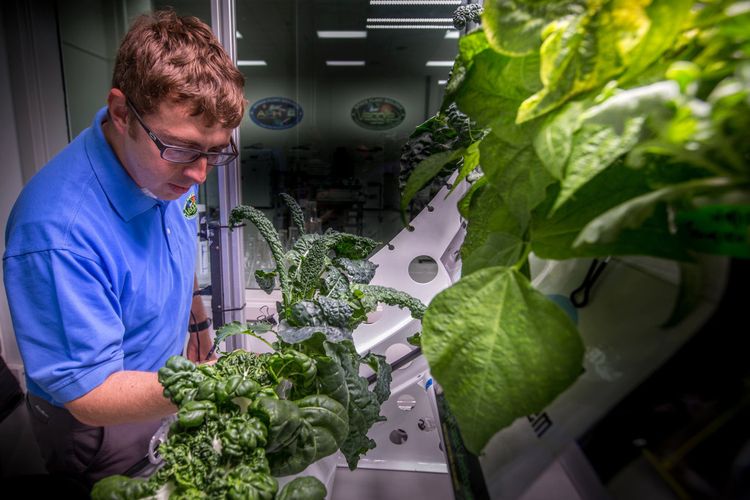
(372, 294)
(335, 312)
(358, 271)
(448, 130)
(352, 246)
(465, 14)
(266, 280)
(266, 229)
(298, 218)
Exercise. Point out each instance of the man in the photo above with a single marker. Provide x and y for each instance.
(100, 248)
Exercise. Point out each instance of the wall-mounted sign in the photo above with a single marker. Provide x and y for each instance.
(276, 113)
(378, 113)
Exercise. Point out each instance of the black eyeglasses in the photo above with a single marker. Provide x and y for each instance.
(177, 154)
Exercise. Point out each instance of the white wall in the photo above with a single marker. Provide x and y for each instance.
(11, 184)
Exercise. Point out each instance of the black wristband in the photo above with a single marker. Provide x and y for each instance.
(199, 327)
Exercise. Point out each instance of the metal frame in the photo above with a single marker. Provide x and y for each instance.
(227, 263)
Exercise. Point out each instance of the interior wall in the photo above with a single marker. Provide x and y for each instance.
(89, 35)
(12, 182)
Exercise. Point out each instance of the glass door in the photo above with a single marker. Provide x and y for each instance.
(335, 88)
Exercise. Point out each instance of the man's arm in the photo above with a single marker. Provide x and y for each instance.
(125, 396)
(199, 343)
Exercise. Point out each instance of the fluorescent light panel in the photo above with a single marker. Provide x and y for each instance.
(407, 27)
(246, 62)
(441, 64)
(433, 20)
(442, 82)
(452, 34)
(342, 34)
(345, 63)
(415, 2)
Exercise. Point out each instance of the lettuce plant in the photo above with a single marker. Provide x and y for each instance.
(607, 128)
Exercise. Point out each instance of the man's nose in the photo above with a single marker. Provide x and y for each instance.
(197, 171)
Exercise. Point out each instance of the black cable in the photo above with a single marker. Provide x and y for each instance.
(197, 334)
(580, 296)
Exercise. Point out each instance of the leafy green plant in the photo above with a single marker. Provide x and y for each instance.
(610, 128)
(250, 418)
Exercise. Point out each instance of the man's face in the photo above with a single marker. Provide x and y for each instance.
(173, 125)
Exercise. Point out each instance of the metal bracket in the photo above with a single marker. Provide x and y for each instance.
(217, 299)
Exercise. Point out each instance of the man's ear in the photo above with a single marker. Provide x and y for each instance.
(119, 114)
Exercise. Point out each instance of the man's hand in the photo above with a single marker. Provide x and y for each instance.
(199, 345)
(200, 342)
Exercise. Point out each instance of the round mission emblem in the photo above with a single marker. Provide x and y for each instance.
(378, 113)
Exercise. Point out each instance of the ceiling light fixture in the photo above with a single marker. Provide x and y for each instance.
(245, 62)
(345, 63)
(342, 34)
(441, 64)
(407, 27)
(442, 82)
(452, 34)
(416, 2)
(409, 19)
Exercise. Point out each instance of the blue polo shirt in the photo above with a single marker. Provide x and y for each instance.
(99, 275)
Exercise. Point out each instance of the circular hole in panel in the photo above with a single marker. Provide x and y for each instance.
(398, 436)
(375, 315)
(406, 402)
(423, 269)
(396, 352)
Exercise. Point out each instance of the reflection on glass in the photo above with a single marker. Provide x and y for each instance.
(332, 136)
(89, 38)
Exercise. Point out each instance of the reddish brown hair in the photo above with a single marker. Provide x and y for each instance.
(166, 56)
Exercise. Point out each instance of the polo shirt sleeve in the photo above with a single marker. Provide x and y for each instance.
(67, 321)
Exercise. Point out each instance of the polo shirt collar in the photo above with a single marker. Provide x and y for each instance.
(123, 193)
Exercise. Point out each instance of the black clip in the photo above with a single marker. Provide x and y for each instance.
(234, 308)
(595, 270)
(266, 315)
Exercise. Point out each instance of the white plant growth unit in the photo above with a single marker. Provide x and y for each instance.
(621, 329)
(409, 440)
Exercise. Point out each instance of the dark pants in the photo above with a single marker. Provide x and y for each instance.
(87, 453)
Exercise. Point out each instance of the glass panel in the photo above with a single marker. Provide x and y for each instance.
(328, 116)
(90, 32)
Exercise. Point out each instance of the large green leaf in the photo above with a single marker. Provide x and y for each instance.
(553, 237)
(468, 47)
(494, 236)
(517, 174)
(664, 20)
(609, 130)
(515, 349)
(633, 213)
(554, 140)
(494, 88)
(582, 52)
(514, 27)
